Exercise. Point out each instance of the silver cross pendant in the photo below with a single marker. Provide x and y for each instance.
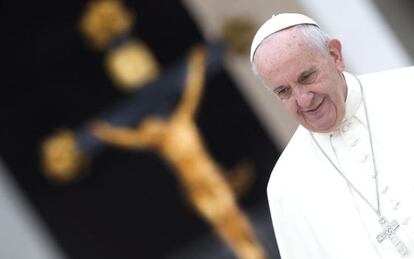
(388, 232)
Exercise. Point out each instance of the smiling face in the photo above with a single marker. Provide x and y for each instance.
(308, 82)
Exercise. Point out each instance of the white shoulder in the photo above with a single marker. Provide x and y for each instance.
(288, 164)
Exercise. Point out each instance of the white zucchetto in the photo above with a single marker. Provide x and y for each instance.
(278, 23)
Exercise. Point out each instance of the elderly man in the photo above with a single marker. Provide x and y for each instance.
(344, 185)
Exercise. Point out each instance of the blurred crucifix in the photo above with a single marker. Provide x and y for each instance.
(175, 138)
(178, 141)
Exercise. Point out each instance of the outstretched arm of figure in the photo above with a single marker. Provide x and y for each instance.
(148, 135)
(193, 83)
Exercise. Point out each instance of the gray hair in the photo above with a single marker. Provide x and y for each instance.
(312, 34)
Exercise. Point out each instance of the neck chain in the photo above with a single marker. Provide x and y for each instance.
(389, 228)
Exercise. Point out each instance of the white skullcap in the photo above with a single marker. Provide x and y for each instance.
(278, 23)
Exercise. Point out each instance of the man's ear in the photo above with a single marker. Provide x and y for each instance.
(335, 51)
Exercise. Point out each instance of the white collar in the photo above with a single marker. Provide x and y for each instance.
(354, 96)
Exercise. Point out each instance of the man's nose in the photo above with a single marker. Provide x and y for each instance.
(304, 98)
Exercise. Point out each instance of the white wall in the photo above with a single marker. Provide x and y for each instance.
(369, 44)
(22, 233)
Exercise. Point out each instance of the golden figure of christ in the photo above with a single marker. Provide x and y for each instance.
(178, 141)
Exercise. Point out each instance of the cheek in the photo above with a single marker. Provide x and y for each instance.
(290, 106)
(338, 98)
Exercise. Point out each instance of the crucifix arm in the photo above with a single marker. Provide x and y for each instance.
(147, 135)
(193, 83)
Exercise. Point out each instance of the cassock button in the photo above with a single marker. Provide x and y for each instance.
(364, 158)
(405, 221)
(354, 143)
(345, 128)
(396, 205)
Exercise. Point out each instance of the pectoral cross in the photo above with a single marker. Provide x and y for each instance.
(388, 231)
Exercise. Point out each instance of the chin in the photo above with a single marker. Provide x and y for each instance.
(321, 129)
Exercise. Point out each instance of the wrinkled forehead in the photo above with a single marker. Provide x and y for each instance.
(284, 56)
(278, 45)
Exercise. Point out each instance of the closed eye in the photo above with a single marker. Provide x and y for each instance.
(307, 77)
(282, 92)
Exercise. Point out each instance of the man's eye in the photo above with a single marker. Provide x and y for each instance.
(308, 77)
(283, 93)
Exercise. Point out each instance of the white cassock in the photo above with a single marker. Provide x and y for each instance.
(315, 213)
